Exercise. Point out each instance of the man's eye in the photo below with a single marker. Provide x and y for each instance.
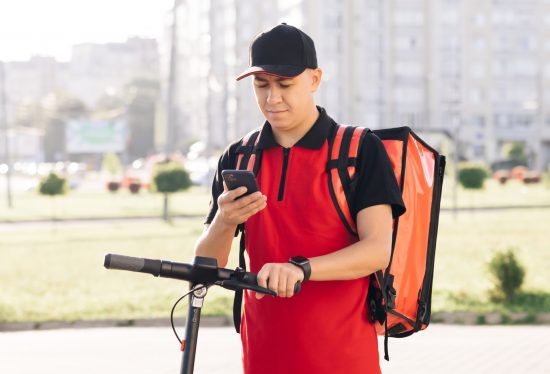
(261, 85)
(284, 85)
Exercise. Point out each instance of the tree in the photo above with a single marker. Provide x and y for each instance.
(515, 151)
(59, 109)
(142, 95)
(52, 185)
(170, 177)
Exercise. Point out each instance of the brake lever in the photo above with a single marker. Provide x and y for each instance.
(235, 285)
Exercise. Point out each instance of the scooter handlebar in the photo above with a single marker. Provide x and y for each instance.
(203, 270)
(128, 263)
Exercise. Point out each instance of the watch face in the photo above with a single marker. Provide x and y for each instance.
(299, 259)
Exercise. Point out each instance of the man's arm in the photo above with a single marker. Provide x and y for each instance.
(215, 241)
(370, 254)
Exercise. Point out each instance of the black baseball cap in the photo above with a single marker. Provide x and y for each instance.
(284, 51)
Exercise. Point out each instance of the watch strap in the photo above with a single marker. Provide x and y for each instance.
(303, 263)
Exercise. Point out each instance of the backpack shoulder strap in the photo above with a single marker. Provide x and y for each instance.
(248, 158)
(341, 168)
(246, 152)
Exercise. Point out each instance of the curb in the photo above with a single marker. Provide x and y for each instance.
(207, 321)
(447, 318)
(492, 318)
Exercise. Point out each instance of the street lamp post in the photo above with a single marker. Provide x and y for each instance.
(172, 115)
(4, 124)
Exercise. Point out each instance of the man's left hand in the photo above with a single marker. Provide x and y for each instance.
(279, 277)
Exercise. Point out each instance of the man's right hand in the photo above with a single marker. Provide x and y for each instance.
(234, 211)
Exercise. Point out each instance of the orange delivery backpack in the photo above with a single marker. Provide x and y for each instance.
(399, 297)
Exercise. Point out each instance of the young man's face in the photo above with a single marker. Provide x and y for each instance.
(287, 102)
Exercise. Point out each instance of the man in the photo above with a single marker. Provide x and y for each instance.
(324, 328)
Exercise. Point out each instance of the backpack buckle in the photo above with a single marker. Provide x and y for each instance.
(390, 297)
(390, 292)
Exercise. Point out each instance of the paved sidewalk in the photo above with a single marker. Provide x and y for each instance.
(440, 349)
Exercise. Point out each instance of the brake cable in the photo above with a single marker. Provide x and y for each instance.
(174, 308)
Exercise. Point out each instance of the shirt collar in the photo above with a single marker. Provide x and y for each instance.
(313, 139)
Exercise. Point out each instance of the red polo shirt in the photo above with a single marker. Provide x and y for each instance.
(325, 328)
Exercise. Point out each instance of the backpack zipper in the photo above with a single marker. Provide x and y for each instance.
(286, 153)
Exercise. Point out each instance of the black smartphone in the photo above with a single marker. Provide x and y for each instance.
(237, 178)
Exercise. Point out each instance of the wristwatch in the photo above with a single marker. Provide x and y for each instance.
(303, 263)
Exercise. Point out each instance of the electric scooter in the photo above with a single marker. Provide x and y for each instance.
(202, 273)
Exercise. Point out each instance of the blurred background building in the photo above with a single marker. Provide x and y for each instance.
(476, 69)
(63, 110)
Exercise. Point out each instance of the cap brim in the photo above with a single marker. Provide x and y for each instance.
(283, 71)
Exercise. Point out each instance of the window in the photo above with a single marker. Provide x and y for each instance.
(408, 69)
(477, 71)
(332, 19)
(408, 18)
(524, 120)
(371, 94)
(409, 95)
(449, 16)
(480, 19)
(479, 44)
(525, 67)
(478, 121)
(479, 150)
(501, 120)
(526, 43)
(407, 43)
(476, 95)
(504, 17)
(450, 68)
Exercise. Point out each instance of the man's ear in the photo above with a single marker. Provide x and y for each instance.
(316, 76)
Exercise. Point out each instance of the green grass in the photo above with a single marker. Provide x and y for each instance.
(465, 245)
(513, 193)
(79, 204)
(32, 206)
(56, 272)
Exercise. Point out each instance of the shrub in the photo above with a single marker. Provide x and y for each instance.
(472, 176)
(507, 273)
(52, 185)
(170, 177)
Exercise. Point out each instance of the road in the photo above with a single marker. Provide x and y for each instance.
(151, 350)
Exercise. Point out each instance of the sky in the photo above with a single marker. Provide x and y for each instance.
(51, 27)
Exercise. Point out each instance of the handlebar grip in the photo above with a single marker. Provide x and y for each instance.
(137, 264)
(253, 279)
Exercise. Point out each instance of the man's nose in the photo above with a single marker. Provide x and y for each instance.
(274, 95)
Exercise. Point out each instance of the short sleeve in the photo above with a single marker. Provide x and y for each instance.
(376, 183)
(228, 160)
